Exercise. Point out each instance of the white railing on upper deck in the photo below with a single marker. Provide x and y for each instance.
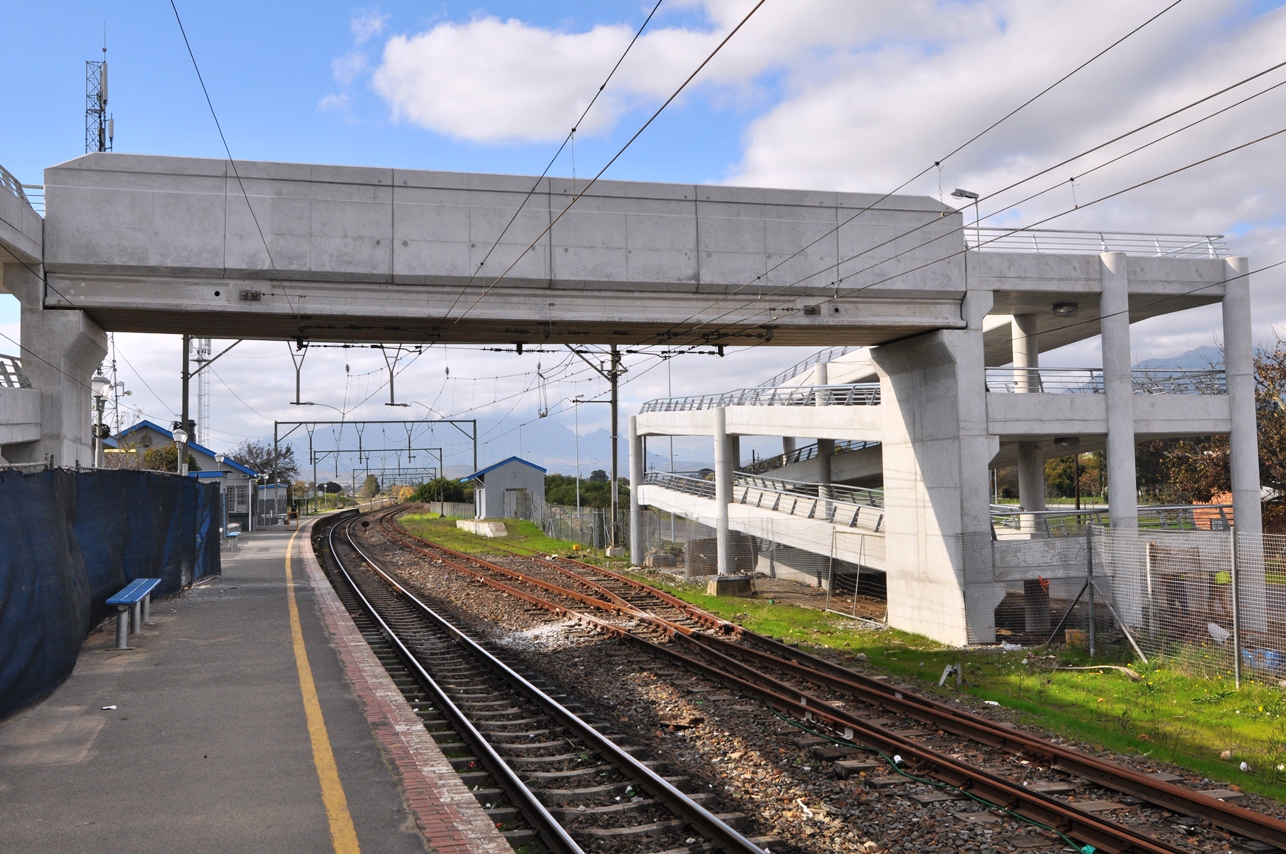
(1090, 381)
(1093, 242)
(856, 394)
(11, 375)
(14, 186)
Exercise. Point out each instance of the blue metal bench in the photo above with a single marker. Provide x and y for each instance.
(133, 601)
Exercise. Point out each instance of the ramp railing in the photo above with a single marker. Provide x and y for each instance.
(1055, 241)
(850, 506)
(803, 454)
(1090, 381)
(856, 394)
(11, 375)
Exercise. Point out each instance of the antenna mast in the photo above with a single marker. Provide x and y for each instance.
(99, 128)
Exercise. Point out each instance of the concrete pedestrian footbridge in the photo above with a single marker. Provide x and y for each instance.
(951, 321)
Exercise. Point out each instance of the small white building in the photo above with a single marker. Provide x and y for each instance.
(511, 489)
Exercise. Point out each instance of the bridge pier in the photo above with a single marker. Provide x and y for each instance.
(937, 510)
(1031, 461)
(60, 352)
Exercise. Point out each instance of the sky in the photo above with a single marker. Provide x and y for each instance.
(843, 95)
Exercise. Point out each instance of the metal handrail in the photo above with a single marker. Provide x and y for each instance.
(1093, 242)
(829, 354)
(11, 374)
(855, 394)
(1090, 381)
(803, 454)
(12, 184)
(852, 507)
(1061, 522)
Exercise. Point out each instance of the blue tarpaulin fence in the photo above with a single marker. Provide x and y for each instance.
(69, 540)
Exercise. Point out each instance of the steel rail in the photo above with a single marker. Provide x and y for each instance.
(705, 822)
(1014, 797)
(691, 611)
(551, 832)
(1248, 823)
(808, 667)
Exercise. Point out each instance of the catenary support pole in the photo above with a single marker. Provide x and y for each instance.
(637, 455)
(614, 376)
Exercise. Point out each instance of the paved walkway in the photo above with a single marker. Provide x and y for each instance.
(241, 721)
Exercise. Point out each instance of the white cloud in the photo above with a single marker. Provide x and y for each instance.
(492, 80)
(367, 25)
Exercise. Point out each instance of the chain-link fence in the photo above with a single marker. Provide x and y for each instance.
(1211, 602)
(808, 562)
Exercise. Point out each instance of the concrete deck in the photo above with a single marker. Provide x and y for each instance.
(209, 747)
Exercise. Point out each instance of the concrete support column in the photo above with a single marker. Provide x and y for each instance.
(1031, 462)
(788, 445)
(825, 458)
(1114, 310)
(60, 352)
(1031, 477)
(636, 482)
(1026, 353)
(936, 451)
(722, 488)
(1239, 368)
(1243, 444)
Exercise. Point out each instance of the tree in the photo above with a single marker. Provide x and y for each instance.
(370, 486)
(1199, 469)
(561, 489)
(166, 458)
(443, 489)
(598, 476)
(279, 467)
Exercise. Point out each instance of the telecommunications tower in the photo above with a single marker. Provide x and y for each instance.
(99, 127)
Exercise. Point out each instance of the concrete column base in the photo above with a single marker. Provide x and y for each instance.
(729, 585)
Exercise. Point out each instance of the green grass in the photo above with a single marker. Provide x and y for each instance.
(1174, 714)
(1184, 710)
(522, 534)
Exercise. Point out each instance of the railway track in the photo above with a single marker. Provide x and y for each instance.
(549, 776)
(852, 707)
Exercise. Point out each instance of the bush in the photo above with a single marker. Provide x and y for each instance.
(443, 489)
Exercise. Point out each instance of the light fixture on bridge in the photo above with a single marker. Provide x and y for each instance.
(964, 194)
(1065, 309)
(1067, 443)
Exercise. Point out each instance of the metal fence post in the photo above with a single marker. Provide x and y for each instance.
(1236, 615)
(1089, 574)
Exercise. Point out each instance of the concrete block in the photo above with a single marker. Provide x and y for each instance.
(729, 585)
(482, 527)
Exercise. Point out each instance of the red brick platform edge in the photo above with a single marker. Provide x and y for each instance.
(449, 815)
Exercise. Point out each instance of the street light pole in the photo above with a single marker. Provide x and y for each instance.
(181, 444)
(102, 387)
(223, 496)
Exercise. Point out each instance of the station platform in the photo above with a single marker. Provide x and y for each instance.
(251, 716)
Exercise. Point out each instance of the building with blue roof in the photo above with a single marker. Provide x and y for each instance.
(510, 489)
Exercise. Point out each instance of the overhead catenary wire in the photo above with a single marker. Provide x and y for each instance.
(937, 164)
(566, 140)
(618, 155)
(834, 289)
(228, 150)
(785, 288)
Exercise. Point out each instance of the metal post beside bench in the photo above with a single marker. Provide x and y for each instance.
(134, 600)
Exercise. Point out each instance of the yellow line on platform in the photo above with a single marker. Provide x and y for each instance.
(342, 834)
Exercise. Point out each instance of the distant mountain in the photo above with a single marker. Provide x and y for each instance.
(1200, 359)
